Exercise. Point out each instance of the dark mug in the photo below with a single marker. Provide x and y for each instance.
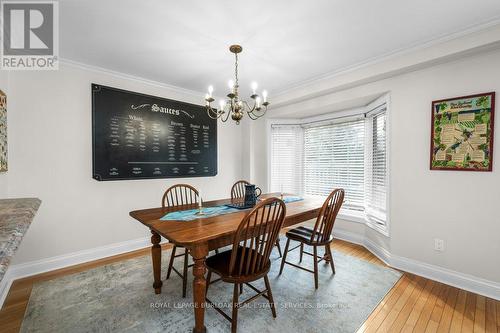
(251, 194)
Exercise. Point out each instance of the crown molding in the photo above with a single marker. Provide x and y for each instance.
(281, 98)
(126, 76)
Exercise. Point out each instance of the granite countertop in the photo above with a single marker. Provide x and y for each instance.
(15, 218)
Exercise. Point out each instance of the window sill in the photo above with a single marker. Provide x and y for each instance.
(377, 227)
(359, 217)
(351, 216)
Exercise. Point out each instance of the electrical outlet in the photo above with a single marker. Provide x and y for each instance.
(438, 244)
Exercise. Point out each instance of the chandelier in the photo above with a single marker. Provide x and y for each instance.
(234, 106)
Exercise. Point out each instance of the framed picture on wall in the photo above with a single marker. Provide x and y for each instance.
(462, 133)
(3, 132)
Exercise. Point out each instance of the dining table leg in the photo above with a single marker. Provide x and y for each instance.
(156, 256)
(199, 254)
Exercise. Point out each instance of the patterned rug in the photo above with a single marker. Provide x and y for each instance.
(119, 298)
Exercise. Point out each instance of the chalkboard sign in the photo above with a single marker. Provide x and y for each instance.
(136, 136)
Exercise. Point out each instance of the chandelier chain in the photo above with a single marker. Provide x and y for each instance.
(236, 69)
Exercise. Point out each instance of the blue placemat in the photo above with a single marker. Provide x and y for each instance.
(192, 214)
(291, 199)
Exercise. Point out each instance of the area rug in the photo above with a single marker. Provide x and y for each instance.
(119, 298)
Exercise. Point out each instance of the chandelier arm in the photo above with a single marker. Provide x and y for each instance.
(252, 116)
(256, 114)
(254, 110)
(227, 116)
(248, 106)
(212, 113)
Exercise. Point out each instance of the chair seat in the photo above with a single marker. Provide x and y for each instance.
(219, 264)
(304, 234)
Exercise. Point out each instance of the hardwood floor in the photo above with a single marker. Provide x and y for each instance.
(414, 304)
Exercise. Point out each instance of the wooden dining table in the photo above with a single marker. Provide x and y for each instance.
(205, 234)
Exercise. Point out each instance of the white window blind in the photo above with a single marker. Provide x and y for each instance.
(376, 166)
(334, 158)
(286, 159)
(350, 153)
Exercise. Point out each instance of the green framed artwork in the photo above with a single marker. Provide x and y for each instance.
(462, 133)
(3, 131)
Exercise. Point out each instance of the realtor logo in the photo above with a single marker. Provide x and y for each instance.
(30, 35)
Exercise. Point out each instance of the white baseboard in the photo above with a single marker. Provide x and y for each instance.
(456, 279)
(379, 251)
(349, 236)
(19, 271)
(460, 280)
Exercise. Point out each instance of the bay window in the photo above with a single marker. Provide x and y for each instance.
(314, 157)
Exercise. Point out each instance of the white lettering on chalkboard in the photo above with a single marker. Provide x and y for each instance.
(162, 109)
(131, 117)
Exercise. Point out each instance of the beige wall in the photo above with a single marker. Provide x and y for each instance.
(50, 158)
(459, 207)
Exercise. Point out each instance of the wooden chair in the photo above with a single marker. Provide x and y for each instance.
(238, 194)
(248, 260)
(321, 235)
(238, 190)
(177, 196)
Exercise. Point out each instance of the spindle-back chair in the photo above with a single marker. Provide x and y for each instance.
(320, 235)
(248, 260)
(177, 196)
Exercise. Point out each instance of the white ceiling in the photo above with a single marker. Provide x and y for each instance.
(185, 43)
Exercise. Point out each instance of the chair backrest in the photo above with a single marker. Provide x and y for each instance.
(327, 215)
(180, 195)
(238, 189)
(256, 236)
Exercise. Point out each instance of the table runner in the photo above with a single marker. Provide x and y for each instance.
(192, 214)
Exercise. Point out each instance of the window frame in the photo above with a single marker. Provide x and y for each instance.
(384, 229)
(344, 214)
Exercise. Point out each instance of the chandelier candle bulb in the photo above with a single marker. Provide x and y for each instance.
(210, 90)
(254, 87)
(264, 95)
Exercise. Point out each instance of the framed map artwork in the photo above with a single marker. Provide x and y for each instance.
(462, 133)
